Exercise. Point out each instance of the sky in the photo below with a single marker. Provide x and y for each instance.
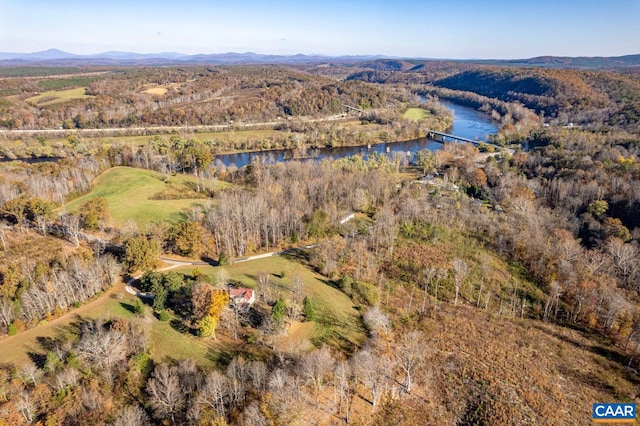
(490, 29)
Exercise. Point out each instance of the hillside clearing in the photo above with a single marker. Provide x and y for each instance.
(58, 96)
(416, 114)
(130, 194)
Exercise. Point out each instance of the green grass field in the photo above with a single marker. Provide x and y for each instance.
(58, 96)
(337, 322)
(415, 114)
(16, 349)
(128, 192)
(169, 344)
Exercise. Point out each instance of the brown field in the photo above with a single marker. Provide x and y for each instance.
(159, 91)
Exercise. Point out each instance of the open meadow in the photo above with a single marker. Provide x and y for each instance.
(58, 96)
(416, 114)
(144, 196)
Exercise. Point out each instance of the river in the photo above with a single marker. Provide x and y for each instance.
(467, 122)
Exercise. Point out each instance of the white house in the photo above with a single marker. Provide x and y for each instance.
(242, 297)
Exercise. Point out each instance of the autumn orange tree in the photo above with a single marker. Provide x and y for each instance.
(217, 301)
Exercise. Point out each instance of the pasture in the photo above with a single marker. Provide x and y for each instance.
(144, 196)
(416, 114)
(58, 96)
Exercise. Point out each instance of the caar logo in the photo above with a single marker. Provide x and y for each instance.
(619, 413)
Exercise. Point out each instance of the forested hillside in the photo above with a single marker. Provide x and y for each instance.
(595, 99)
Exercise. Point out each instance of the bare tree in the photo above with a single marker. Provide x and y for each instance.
(314, 366)
(440, 274)
(237, 379)
(373, 371)
(71, 226)
(67, 377)
(213, 392)
(131, 415)
(7, 311)
(409, 354)
(264, 285)
(625, 257)
(252, 415)
(26, 406)
(429, 274)
(376, 321)
(461, 270)
(3, 226)
(257, 371)
(30, 373)
(101, 347)
(552, 300)
(296, 285)
(286, 397)
(344, 385)
(222, 278)
(166, 397)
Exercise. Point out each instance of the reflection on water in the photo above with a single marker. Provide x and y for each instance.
(467, 123)
(470, 123)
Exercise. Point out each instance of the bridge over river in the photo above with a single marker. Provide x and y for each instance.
(442, 137)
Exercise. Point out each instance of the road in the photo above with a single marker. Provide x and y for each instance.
(165, 129)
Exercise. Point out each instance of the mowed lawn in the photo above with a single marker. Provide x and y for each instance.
(415, 114)
(58, 96)
(337, 322)
(129, 194)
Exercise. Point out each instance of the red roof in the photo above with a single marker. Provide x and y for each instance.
(241, 293)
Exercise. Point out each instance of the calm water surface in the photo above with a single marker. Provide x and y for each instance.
(467, 122)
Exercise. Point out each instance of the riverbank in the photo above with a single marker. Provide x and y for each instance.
(241, 147)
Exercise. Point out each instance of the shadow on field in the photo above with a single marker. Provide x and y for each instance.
(179, 326)
(609, 358)
(38, 359)
(211, 261)
(221, 357)
(59, 342)
(129, 307)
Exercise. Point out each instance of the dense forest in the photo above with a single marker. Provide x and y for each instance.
(466, 285)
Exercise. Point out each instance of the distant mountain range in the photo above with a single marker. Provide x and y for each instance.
(59, 57)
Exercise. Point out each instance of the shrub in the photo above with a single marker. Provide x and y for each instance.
(164, 316)
(346, 285)
(279, 311)
(366, 293)
(12, 330)
(307, 309)
(138, 307)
